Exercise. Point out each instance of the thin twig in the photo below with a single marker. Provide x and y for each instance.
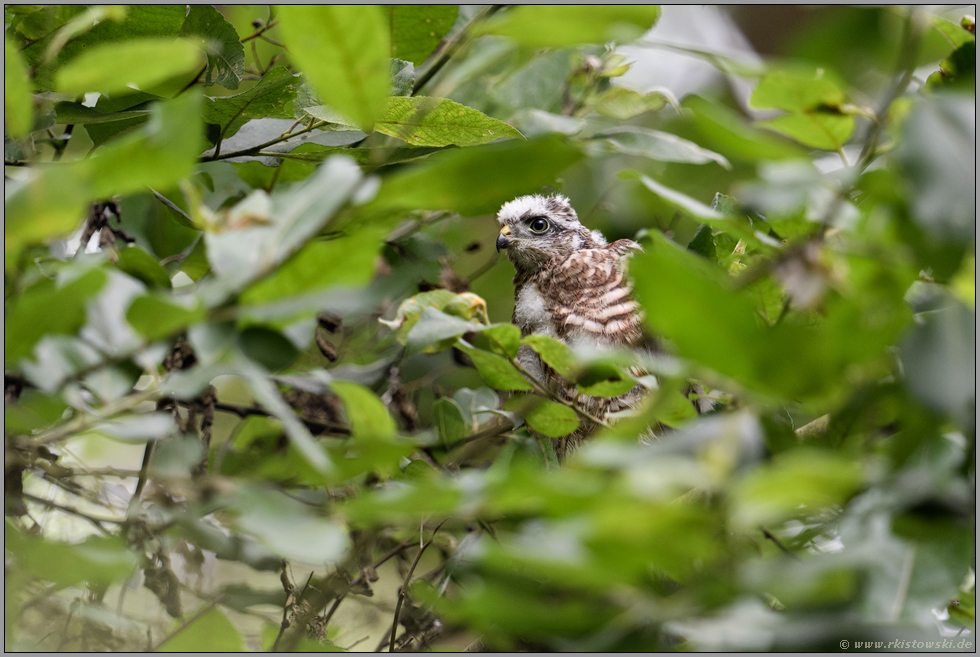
(75, 512)
(768, 534)
(254, 149)
(451, 47)
(540, 389)
(360, 578)
(339, 430)
(192, 82)
(403, 592)
(173, 206)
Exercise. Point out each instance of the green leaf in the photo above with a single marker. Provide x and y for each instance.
(158, 156)
(116, 67)
(938, 161)
(796, 92)
(211, 632)
(495, 370)
(102, 132)
(657, 145)
(939, 361)
(344, 51)
(416, 30)
(681, 201)
(78, 114)
(156, 316)
(424, 121)
(447, 419)
(18, 104)
(141, 21)
(703, 243)
(435, 330)
(555, 26)
(802, 479)
(99, 560)
(826, 130)
(604, 380)
(319, 265)
(240, 257)
(52, 202)
(456, 179)
(729, 133)
(288, 528)
(556, 354)
(271, 97)
(505, 339)
(267, 347)
(141, 265)
(32, 410)
(29, 317)
(368, 416)
(226, 54)
(548, 417)
(622, 103)
(402, 78)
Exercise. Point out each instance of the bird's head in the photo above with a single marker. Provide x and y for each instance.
(536, 229)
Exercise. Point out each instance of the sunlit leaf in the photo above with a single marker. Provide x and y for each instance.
(416, 30)
(344, 51)
(563, 25)
(211, 632)
(137, 64)
(548, 417)
(456, 179)
(496, 371)
(658, 145)
(18, 108)
(368, 416)
(271, 97)
(226, 54)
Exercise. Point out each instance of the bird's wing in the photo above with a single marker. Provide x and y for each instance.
(588, 296)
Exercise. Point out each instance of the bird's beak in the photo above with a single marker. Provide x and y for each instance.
(503, 239)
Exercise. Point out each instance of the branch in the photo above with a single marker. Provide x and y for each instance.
(339, 430)
(252, 150)
(75, 512)
(403, 592)
(451, 47)
(540, 389)
(78, 424)
(360, 578)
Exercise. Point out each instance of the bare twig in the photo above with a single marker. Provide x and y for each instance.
(252, 150)
(403, 592)
(340, 598)
(540, 389)
(288, 587)
(75, 512)
(768, 534)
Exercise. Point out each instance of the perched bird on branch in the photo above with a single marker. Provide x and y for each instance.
(571, 285)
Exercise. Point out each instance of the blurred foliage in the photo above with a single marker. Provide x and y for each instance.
(255, 328)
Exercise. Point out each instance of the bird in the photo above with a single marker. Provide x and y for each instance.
(572, 285)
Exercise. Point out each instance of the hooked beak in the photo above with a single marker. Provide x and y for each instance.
(503, 239)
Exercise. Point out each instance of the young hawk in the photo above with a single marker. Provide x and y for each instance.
(570, 285)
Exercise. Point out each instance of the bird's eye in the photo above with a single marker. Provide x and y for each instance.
(538, 225)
